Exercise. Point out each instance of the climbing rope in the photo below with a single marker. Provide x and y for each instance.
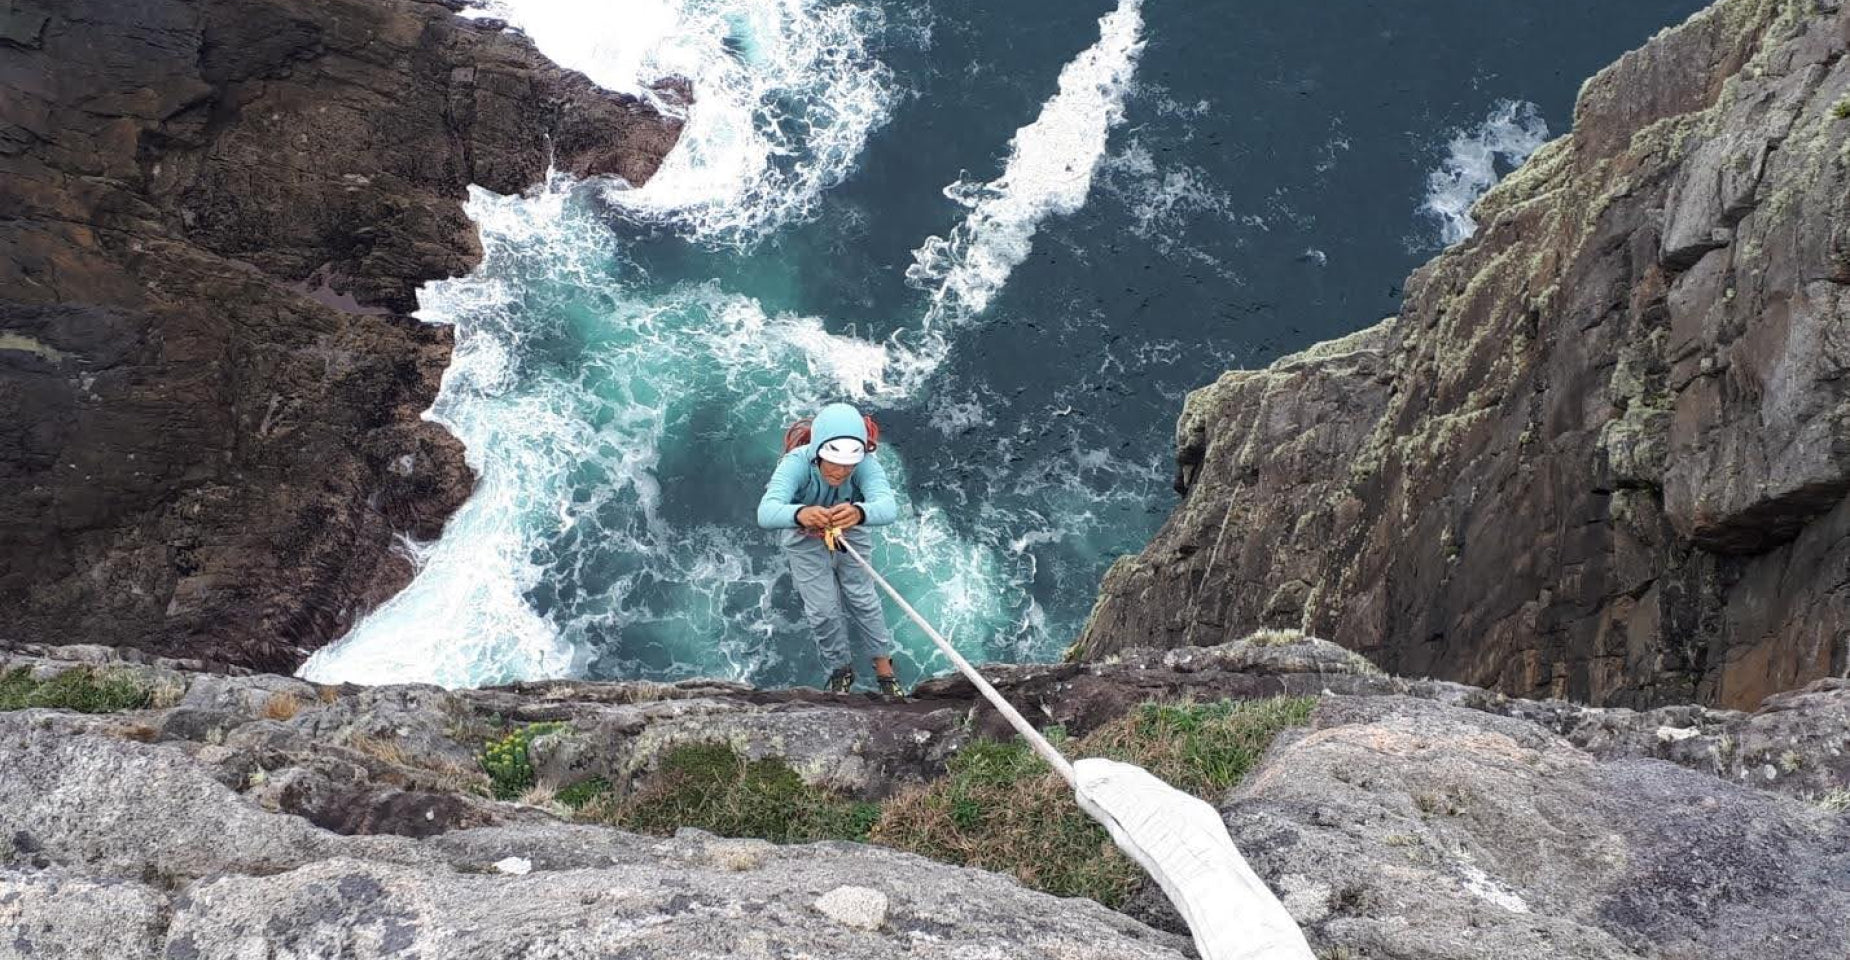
(1177, 838)
(1008, 711)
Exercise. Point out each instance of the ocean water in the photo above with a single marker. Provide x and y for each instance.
(1017, 233)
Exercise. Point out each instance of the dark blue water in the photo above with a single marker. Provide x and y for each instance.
(629, 359)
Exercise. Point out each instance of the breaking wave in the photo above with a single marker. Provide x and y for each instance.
(1513, 130)
(1048, 173)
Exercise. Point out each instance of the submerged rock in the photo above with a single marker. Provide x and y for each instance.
(1603, 452)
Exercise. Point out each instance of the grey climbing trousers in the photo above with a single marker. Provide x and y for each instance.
(837, 592)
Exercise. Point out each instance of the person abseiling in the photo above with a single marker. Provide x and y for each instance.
(829, 484)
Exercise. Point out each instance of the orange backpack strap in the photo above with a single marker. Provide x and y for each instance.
(796, 435)
(873, 433)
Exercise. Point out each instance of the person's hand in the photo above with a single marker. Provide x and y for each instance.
(815, 518)
(844, 515)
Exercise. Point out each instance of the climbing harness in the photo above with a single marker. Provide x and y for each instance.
(1178, 839)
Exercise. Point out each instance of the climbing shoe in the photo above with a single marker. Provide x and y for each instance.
(842, 680)
(883, 675)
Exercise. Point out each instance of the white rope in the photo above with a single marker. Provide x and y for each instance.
(1177, 838)
(1008, 711)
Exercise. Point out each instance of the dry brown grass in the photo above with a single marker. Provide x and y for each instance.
(446, 777)
(539, 796)
(381, 749)
(166, 692)
(281, 706)
(327, 694)
(139, 732)
(423, 772)
(1274, 637)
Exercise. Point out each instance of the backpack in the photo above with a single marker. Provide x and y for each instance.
(798, 435)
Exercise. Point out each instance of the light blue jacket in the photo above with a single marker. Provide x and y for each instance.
(797, 483)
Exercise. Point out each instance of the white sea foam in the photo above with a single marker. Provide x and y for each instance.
(786, 94)
(952, 416)
(1049, 172)
(569, 451)
(1513, 130)
(580, 387)
(1161, 199)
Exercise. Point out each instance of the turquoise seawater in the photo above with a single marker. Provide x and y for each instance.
(1015, 233)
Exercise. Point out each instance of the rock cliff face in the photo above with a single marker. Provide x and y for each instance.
(213, 218)
(1603, 453)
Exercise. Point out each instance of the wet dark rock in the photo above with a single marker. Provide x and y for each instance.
(217, 215)
(1603, 452)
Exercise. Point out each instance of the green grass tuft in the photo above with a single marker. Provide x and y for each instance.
(999, 808)
(1841, 109)
(505, 760)
(711, 787)
(583, 793)
(1834, 801)
(82, 689)
(1202, 748)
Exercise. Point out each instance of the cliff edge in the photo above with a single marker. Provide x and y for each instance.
(1603, 452)
(150, 810)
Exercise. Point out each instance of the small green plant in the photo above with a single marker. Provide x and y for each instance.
(1834, 801)
(83, 689)
(505, 760)
(1841, 109)
(711, 787)
(581, 794)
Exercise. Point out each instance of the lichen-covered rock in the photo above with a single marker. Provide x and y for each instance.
(124, 809)
(1603, 453)
(1797, 743)
(650, 903)
(1418, 819)
(1406, 828)
(131, 850)
(868, 752)
(217, 213)
(862, 908)
(54, 915)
